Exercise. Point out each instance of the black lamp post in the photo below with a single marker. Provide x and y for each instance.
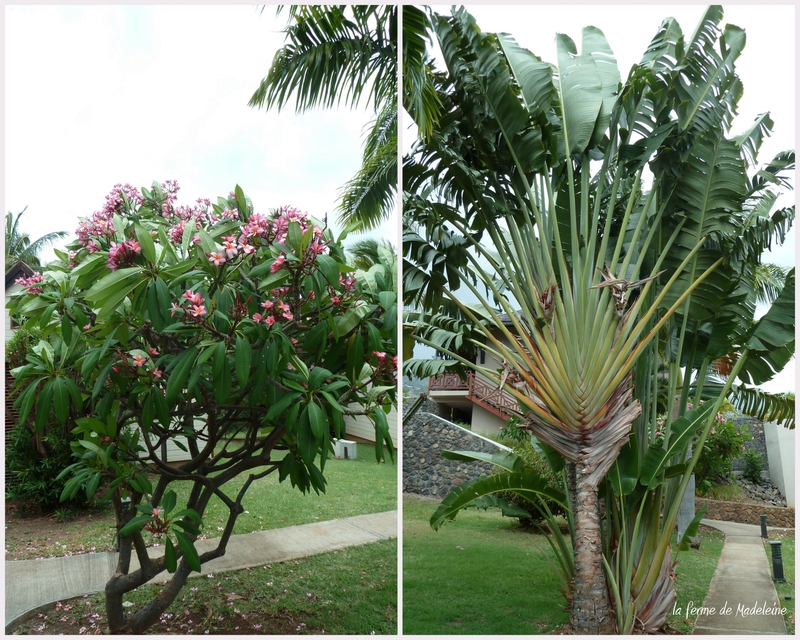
(777, 561)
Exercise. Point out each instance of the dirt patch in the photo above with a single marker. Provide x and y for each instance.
(32, 533)
(76, 617)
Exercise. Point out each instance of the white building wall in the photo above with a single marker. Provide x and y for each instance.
(780, 451)
(484, 422)
(362, 427)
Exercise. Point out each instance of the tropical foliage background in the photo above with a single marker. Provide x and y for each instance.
(619, 224)
(19, 245)
(343, 54)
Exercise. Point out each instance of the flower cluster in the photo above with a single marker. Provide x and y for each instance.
(100, 225)
(130, 365)
(158, 526)
(263, 231)
(196, 305)
(275, 309)
(122, 255)
(386, 368)
(31, 282)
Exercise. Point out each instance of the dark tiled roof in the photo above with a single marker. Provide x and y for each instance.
(17, 270)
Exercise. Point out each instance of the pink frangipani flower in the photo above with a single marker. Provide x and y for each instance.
(276, 266)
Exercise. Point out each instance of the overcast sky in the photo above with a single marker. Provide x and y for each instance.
(100, 95)
(766, 67)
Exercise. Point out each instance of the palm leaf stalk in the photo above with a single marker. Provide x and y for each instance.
(340, 54)
(19, 245)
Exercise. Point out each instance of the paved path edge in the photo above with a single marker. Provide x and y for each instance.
(375, 528)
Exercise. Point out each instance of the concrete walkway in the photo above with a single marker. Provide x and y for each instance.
(32, 584)
(742, 584)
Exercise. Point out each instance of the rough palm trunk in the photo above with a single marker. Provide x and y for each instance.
(591, 613)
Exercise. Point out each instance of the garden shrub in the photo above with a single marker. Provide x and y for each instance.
(753, 466)
(520, 443)
(20, 345)
(36, 475)
(725, 443)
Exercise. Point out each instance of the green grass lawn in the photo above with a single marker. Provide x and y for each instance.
(478, 575)
(481, 574)
(693, 575)
(355, 487)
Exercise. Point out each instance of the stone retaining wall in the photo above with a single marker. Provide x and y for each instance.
(425, 472)
(746, 513)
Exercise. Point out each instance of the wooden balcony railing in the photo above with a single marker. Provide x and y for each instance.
(481, 391)
(448, 382)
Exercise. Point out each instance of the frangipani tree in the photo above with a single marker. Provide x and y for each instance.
(246, 334)
(602, 217)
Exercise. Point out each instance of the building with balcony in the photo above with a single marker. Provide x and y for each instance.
(475, 400)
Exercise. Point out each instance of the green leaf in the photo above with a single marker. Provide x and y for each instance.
(503, 459)
(169, 501)
(527, 484)
(188, 527)
(44, 319)
(60, 399)
(180, 374)
(318, 420)
(188, 513)
(66, 329)
(279, 407)
(351, 319)
(274, 280)
(317, 376)
(624, 472)
(355, 358)
(329, 268)
(243, 356)
(382, 435)
(136, 524)
(691, 530)
(91, 486)
(188, 550)
(148, 413)
(43, 404)
(291, 417)
(206, 241)
(146, 242)
(110, 285)
(287, 465)
(101, 379)
(306, 439)
(220, 361)
(656, 458)
(223, 386)
(161, 406)
(294, 238)
(170, 556)
(241, 202)
(580, 90)
(26, 399)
